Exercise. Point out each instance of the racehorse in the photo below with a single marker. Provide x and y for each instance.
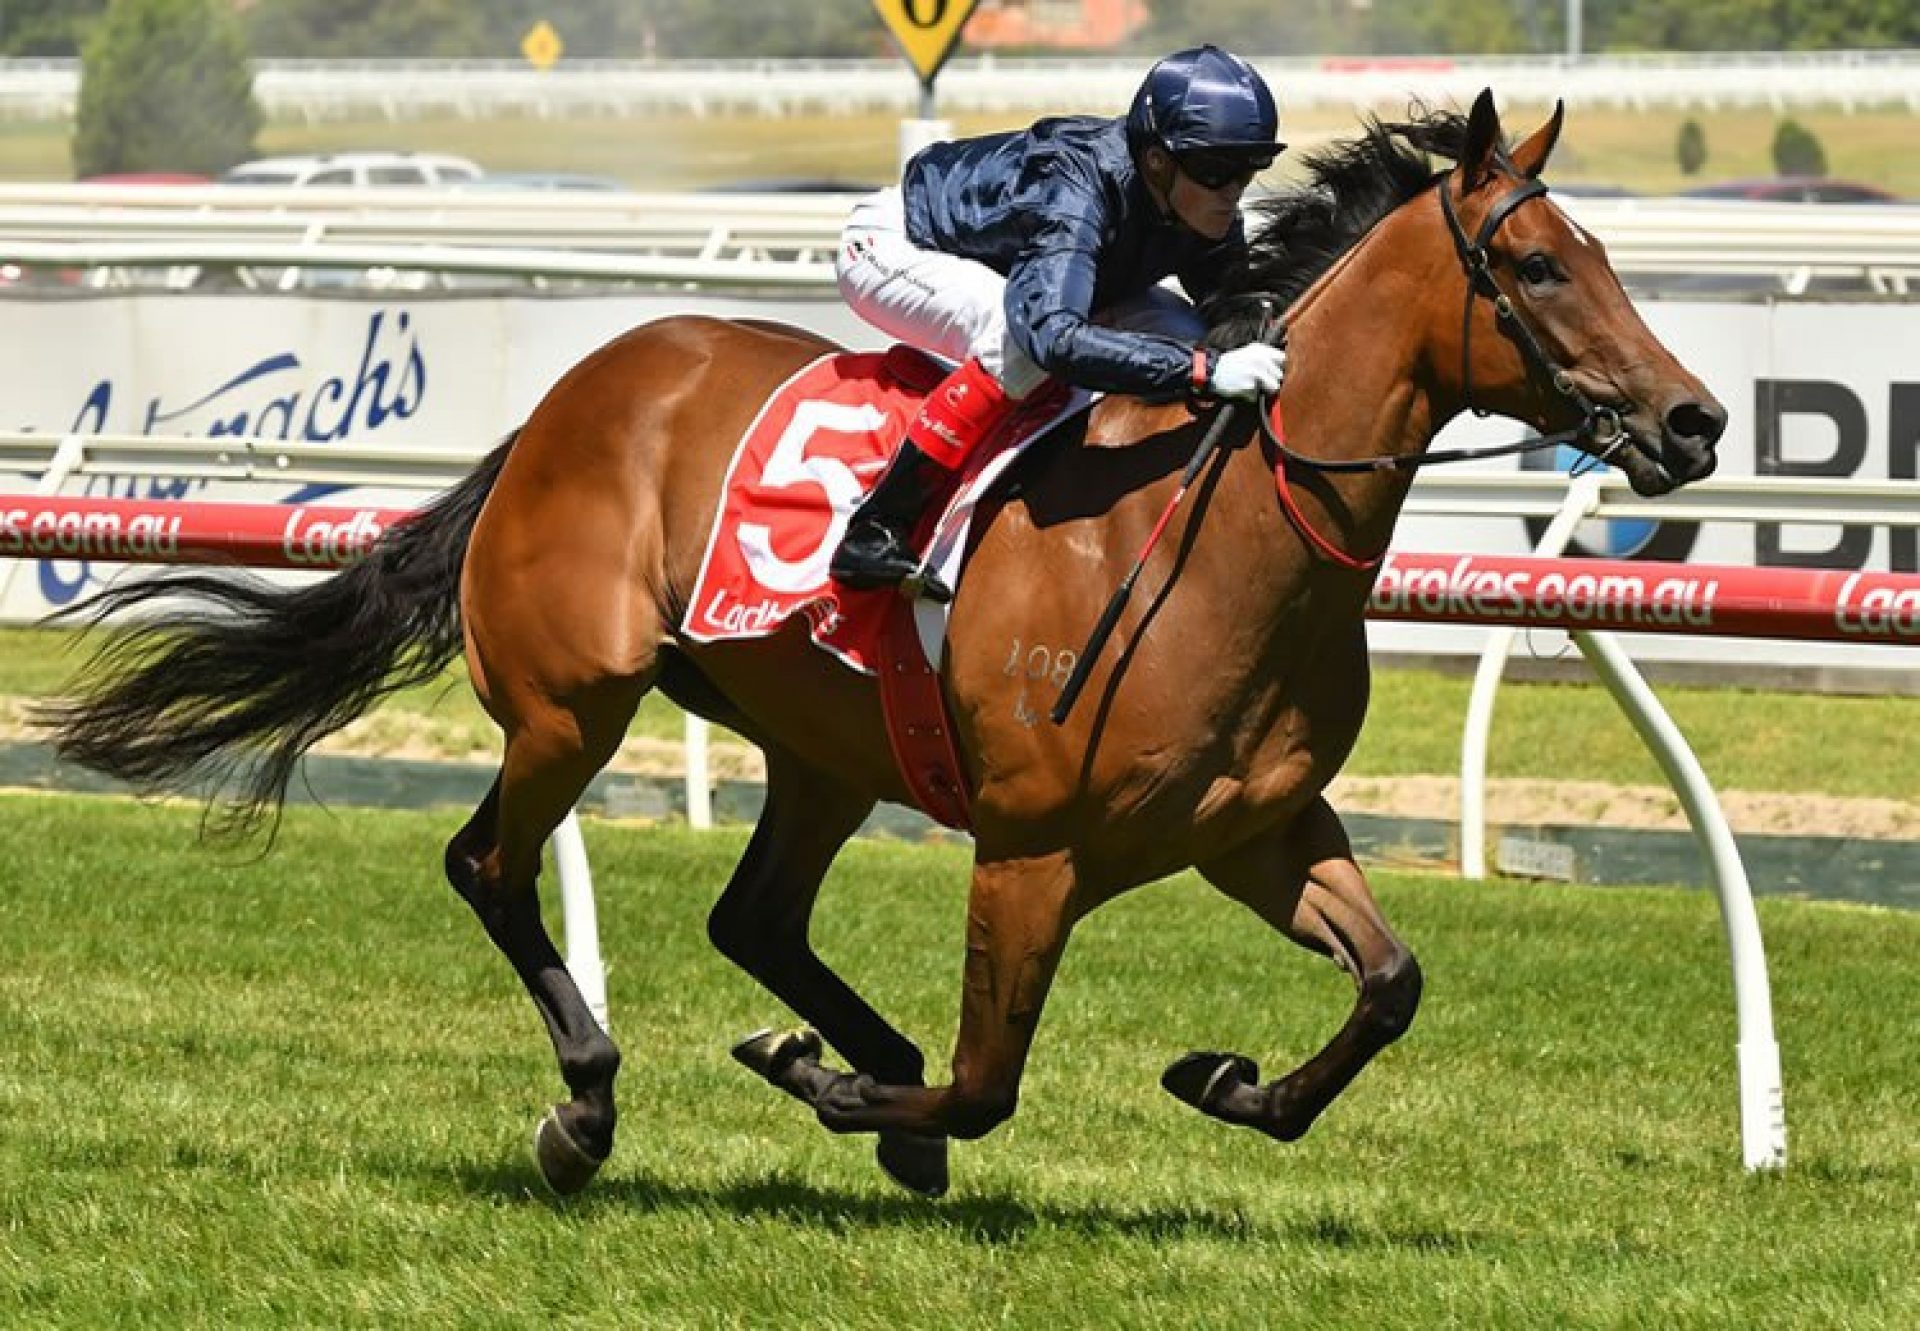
(562, 566)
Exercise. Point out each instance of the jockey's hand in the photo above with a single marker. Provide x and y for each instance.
(1246, 372)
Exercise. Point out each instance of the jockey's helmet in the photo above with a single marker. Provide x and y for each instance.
(1206, 100)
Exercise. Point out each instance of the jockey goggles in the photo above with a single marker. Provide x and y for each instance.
(1216, 168)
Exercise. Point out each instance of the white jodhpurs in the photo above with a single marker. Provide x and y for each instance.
(955, 307)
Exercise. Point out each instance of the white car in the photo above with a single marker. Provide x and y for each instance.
(352, 169)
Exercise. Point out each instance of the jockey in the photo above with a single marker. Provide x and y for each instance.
(997, 251)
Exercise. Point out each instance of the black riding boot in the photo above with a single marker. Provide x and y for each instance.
(877, 550)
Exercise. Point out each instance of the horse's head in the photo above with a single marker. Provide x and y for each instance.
(1550, 336)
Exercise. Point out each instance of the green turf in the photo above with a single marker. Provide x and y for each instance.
(1745, 739)
(295, 1092)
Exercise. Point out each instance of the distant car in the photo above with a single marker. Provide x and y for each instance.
(791, 185)
(148, 178)
(352, 169)
(1588, 189)
(1792, 189)
(569, 182)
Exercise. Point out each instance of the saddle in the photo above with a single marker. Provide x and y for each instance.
(818, 443)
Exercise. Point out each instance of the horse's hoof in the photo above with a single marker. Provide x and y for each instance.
(916, 1163)
(770, 1053)
(565, 1165)
(1206, 1080)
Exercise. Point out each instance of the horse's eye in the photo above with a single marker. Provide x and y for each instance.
(1536, 270)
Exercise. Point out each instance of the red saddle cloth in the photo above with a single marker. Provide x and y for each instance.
(818, 444)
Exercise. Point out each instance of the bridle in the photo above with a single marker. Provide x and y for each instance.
(1600, 433)
(1599, 425)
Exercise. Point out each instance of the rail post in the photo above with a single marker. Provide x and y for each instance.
(1763, 1111)
(1583, 496)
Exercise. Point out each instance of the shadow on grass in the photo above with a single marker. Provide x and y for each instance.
(988, 1218)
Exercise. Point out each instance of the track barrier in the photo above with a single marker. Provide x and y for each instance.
(1494, 591)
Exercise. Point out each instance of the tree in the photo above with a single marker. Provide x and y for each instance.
(764, 28)
(164, 86)
(619, 29)
(369, 29)
(46, 28)
(1796, 152)
(1750, 25)
(1691, 147)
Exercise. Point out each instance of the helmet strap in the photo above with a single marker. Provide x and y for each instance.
(1157, 172)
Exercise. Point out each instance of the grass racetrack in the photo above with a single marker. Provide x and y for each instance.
(297, 1090)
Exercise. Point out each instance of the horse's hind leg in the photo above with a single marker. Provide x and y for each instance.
(1305, 883)
(1020, 912)
(552, 751)
(760, 923)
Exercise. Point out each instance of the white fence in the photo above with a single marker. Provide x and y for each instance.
(400, 90)
(201, 235)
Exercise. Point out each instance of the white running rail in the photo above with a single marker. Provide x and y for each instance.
(259, 235)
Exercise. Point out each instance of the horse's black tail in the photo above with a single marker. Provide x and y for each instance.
(224, 681)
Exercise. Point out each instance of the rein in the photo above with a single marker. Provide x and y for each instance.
(1600, 427)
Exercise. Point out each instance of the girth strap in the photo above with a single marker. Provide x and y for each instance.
(919, 729)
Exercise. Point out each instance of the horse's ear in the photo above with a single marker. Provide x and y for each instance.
(1479, 157)
(1530, 158)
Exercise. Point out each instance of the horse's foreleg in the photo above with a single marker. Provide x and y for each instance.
(1019, 914)
(760, 923)
(494, 863)
(1305, 883)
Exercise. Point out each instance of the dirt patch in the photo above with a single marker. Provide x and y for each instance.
(1511, 802)
(1518, 802)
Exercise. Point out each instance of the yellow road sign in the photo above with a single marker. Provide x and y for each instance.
(542, 45)
(927, 30)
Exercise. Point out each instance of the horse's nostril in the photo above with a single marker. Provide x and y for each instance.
(1703, 421)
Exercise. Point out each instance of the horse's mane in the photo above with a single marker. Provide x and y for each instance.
(1297, 233)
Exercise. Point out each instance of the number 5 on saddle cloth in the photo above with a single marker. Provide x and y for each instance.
(817, 445)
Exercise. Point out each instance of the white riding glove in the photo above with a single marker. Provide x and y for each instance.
(1246, 372)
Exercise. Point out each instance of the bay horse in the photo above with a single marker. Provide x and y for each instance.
(562, 566)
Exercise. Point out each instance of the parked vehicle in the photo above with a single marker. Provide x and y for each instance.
(566, 182)
(1792, 189)
(141, 178)
(356, 169)
(791, 185)
(1593, 189)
